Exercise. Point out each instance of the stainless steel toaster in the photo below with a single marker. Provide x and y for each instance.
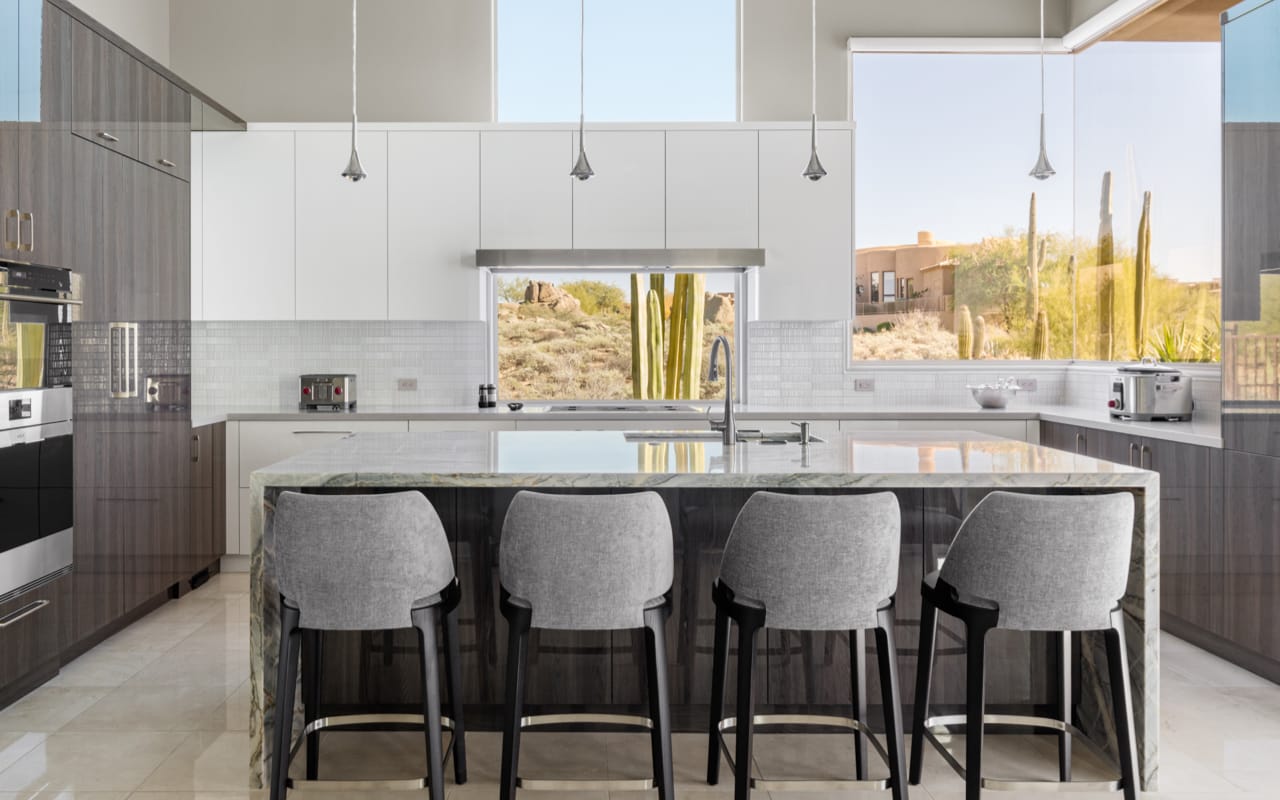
(1150, 391)
(168, 392)
(327, 392)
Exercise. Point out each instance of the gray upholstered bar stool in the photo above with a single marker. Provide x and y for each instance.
(365, 562)
(814, 563)
(587, 562)
(1031, 563)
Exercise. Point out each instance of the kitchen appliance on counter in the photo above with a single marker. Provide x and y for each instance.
(35, 487)
(1151, 392)
(37, 307)
(327, 392)
(168, 392)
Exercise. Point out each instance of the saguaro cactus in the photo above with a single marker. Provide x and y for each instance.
(639, 335)
(1034, 253)
(691, 340)
(675, 341)
(1040, 341)
(658, 283)
(1142, 275)
(964, 333)
(979, 336)
(1106, 274)
(653, 346)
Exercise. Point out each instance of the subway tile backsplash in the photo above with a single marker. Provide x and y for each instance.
(237, 364)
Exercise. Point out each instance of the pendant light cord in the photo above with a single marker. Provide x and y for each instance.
(1042, 58)
(582, 69)
(813, 61)
(354, 17)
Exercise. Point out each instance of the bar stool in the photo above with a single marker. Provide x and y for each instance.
(367, 562)
(1031, 563)
(587, 562)
(809, 562)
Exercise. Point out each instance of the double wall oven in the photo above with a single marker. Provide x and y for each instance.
(37, 307)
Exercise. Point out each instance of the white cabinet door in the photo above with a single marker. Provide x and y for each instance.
(622, 204)
(197, 226)
(526, 194)
(806, 227)
(264, 443)
(433, 225)
(248, 225)
(713, 192)
(437, 425)
(341, 242)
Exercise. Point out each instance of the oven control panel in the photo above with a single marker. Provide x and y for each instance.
(20, 408)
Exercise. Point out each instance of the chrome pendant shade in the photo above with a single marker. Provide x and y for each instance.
(814, 170)
(354, 171)
(582, 167)
(1043, 170)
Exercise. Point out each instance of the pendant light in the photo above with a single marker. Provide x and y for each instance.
(354, 171)
(1043, 170)
(582, 168)
(814, 171)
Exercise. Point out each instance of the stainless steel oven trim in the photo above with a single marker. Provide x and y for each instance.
(23, 567)
(35, 298)
(33, 434)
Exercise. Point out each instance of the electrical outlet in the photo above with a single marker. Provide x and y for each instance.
(1026, 384)
(864, 384)
(406, 384)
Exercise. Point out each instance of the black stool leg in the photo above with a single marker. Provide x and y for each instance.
(312, 658)
(286, 685)
(975, 704)
(1122, 705)
(655, 620)
(891, 697)
(425, 619)
(720, 666)
(924, 676)
(858, 677)
(747, 631)
(453, 676)
(518, 622)
(1063, 641)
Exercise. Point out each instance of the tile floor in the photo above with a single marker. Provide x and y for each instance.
(160, 711)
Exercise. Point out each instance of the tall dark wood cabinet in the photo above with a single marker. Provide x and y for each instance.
(105, 79)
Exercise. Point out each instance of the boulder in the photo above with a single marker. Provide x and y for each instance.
(718, 309)
(545, 293)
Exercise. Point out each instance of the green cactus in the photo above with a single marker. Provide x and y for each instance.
(658, 283)
(1106, 275)
(979, 336)
(639, 335)
(1034, 256)
(964, 333)
(653, 346)
(1040, 342)
(689, 376)
(1142, 276)
(675, 347)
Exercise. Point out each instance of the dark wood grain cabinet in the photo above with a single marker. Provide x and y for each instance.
(164, 132)
(31, 633)
(105, 94)
(1252, 543)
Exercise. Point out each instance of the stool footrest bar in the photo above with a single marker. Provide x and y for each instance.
(634, 722)
(801, 784)
(385, 722)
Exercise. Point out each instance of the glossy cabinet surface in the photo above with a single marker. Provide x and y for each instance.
(31, 632)
(713, 189)
(526, 193)
(105, 100)
(623, 205)
(1252, 544)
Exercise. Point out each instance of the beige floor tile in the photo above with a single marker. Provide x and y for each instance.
(144, 635)
(242, 794)
(159, 708)
(205, 761)
(49, 708)
(89, 762)
(15, 745)
(183, 666)
(104, 667)
(233, 715)
(57, 794)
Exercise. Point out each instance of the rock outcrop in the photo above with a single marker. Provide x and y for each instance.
(545, 293)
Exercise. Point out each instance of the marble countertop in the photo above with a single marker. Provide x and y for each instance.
(897, 459)
(1204, 429)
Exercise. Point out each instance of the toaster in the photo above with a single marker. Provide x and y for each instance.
(1150, 391)
(168, 392)
(327, 392)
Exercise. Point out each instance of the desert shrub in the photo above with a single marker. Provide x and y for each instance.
(597, 297)
(511, 290)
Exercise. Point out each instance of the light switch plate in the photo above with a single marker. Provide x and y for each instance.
(864, 384)
(1026, 384)
(406, 384)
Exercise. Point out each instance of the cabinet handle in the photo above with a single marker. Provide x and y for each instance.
(341, 433)
(15, 243)
(122, 359)
(108, 137)
(164, 162)
(28, 217)
(25, 611)
(1133, 448)
(195, 456)
(1080, 444)
(1145, 452)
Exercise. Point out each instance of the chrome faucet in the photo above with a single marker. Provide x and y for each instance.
(727, 426)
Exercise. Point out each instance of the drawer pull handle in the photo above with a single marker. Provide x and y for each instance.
(340, 433)
(25, 611)
(108, 137)
(164, 162)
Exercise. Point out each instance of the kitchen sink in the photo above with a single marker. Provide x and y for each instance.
(744, 435)
(632, 408)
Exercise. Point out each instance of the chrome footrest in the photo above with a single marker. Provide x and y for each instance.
(387, 722)
(802, 784)
(938, 728)
(627, 721)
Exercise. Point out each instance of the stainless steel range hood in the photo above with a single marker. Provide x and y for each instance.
(680, 258)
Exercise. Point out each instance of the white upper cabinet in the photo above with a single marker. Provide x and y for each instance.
(433, 225)
(622, 204)
(197, 228)
(526, 194)
(248, 225)
(341, 228)
(806, 227)
(713, 197)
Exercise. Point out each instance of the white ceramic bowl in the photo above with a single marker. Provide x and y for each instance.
(992, 396)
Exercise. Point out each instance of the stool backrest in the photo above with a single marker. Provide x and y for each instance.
(1050, 562)
(816, 562)
(586, 562)
(359, 561)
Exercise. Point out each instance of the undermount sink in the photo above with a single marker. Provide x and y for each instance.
(633, 408)
(744, 435)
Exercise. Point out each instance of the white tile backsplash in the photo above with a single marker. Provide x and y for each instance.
(258, 363)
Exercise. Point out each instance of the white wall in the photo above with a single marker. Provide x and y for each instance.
(1081, 10)
(290, 60)
(142, 23)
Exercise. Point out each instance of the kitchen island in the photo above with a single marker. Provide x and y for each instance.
(471, 478)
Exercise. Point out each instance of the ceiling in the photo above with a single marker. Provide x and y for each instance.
(1176, 21)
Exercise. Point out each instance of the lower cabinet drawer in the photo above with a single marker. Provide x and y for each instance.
(31, 631)
(265, 443)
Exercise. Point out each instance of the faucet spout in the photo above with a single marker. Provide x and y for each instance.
(728, 426)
